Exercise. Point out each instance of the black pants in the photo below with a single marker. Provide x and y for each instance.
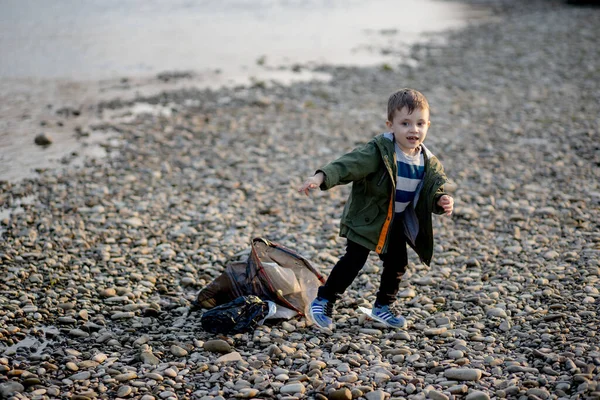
(348, 267)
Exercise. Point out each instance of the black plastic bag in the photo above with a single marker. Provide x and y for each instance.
(239, 315)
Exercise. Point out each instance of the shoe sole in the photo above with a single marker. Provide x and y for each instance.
(312, 317)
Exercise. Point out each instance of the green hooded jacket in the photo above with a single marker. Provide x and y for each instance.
(369, 210)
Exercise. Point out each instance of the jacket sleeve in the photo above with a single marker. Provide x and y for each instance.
(440, 174)
(352, 166)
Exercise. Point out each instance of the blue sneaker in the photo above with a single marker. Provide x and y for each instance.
(384, 315)
(320, 312)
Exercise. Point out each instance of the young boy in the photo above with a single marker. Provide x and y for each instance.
(397, 185)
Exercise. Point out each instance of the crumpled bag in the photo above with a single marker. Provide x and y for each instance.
(272, 272)
(239, 315)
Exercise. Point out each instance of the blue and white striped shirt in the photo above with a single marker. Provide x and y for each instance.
(411, 170)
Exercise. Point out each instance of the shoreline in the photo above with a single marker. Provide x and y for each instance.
(61, 108)
(66, 111)
(103, 265)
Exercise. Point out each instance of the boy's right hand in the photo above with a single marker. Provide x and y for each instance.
(312, 183)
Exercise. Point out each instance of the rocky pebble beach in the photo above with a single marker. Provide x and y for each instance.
(101, 262)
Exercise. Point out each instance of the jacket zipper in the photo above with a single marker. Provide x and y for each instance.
(382, 178)
(383, 235)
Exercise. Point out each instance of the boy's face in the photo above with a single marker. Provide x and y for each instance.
(409, 130)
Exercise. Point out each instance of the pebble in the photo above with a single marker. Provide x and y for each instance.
(435, 395)
(230, 357)
(81, 376)
(350, 378)
(217, 346)
(458, 389)
(340, 394)
(463, 374)
(72, 366)
(178, 351)
(497, 312)
(477, 395)
(8, 389)
(455, 354)
(167, 394)
(435, 331)
(375, 395)
(88, 364)
(123, 315)
(540, 393)
(292, 388)
(43, 140)
(149, 358)
(124, 391)
(79, 333)
(99, 358)
(125, 377)
(248, 393)
(154, 376)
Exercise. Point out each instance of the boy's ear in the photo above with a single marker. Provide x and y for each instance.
(388, 124)
(428, 123)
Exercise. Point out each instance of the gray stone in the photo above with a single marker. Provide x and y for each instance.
(463, 374)
(178, 351)
(124, 391)
(455, 354)
(149, 358)
(81, 376)
(435, 395)
(538, 392)
(477, 395)
(292, 388)
(230, 357)
(217, 346)
(375, 395)
(496, 312)
(10, 388)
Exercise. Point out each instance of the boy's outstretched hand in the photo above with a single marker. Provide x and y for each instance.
(312, 183)
(447, 203)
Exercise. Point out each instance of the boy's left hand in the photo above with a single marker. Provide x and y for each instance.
(447, 203)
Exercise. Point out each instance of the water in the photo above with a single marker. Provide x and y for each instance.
(107, 38)
(74, 53)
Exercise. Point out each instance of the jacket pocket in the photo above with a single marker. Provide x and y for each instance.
(366, 216)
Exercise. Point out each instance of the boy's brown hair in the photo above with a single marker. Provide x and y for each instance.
(409, 98)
